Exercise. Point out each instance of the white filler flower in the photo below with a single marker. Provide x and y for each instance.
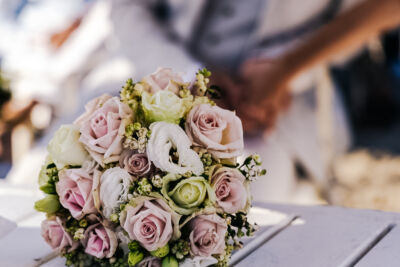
(164, 137)
(198, 262)
(114, 189)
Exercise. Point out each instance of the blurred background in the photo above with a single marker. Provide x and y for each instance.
(337, 142)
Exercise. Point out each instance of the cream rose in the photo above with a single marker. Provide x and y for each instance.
(216, 129)
(163, 79)
(65, 148)
(166, 136)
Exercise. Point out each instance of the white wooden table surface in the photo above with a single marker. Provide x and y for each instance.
(289, 235)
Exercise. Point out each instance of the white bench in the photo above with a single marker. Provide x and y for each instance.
(289, 235)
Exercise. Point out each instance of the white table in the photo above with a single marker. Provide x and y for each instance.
(289, 235)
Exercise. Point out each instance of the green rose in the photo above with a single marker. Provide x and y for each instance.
(163, 106)
(65, 148)
(186, 196)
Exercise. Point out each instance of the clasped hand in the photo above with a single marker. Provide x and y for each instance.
(259, 93)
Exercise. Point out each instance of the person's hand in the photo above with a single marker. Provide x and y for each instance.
(265, 84)
(59, 38)
(230, 89)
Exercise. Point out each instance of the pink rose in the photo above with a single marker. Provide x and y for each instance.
(55, 235)
(216, 129)
(163, 79)
(102, 128)
(150, 262)
(137, 164)
(99, 241)
(91, 107)
(151, 222)
(207, 236)
(230, 189)
(75, 191)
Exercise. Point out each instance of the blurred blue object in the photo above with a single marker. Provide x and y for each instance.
(5, 167)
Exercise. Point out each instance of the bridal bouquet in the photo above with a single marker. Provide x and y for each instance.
(150, 178)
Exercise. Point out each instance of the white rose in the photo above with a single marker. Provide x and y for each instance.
(163, 106)
(65, 148)
(164, 137)
(198, 262)
(113, 189)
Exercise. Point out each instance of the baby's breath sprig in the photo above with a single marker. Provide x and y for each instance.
(202, 80)
(157, 181)
(131, 94)
(251, 167)
(109, 165)
(223, 259)
(79, 258)
(144, 188)
(180, 249)
(48, 177)
(136, 137)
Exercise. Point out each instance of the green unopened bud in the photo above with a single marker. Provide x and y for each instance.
(170, 261)
(49, 204)
(161, 252)
(262, 172)
(114, 218)
(83, 223)
(133, 246)
(257, 159)
(48, 188)
(137, 126)
(135, 257)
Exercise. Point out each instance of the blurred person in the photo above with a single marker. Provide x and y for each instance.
(256, 49)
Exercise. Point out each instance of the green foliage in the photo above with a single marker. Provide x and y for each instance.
(251, 167)
(180, 249)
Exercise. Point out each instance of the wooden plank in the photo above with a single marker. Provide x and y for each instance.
(385, 253)
(6, 226)
(328, 237)
(21, 246)
(366, 246)
(260, 238)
